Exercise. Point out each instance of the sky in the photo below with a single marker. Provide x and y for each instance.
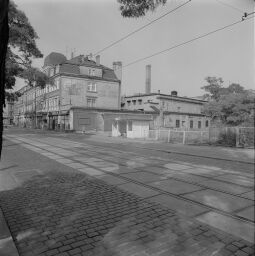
(87, 26)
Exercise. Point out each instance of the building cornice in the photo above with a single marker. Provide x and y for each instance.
(85, 76)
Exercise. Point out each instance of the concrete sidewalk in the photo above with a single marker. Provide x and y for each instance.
(244, 155)
(7, 246)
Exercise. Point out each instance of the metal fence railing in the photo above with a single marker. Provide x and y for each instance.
(231, 136)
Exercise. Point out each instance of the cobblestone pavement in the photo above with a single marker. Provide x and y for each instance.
(65, 211)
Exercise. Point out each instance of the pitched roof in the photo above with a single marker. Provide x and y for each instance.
(54, 58)
(69, 68)
(72, 66)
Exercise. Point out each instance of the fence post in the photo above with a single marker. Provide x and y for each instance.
(184, 135)
(169, 133)
(237, 136)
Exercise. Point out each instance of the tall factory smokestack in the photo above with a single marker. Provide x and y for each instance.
(148, 79)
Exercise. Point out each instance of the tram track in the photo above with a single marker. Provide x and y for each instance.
(137, 169)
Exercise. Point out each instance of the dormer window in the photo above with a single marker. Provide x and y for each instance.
(92, 72)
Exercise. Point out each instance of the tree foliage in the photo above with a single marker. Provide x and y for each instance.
(21, 48)
(4, 36)
(232, 105)
(138, 8)
(213, 87)
(17, 48)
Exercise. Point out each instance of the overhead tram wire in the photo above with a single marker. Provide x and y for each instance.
(141, 28)
(230, 6)
(244, 18)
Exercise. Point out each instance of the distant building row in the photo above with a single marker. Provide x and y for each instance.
(86, 95)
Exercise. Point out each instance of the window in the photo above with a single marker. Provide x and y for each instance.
(177, 123)
(92, 87)
(134, 102)
(91, 102)
(129, 102)
(51, 71)
(191, 124)
(57, 84)
(140, 101)
(199, 124)
(206, 123)
(129, 125)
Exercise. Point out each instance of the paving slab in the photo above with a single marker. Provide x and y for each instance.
(76, 165)
(237, 179)
(25, 175)
(7, 181)
(204, 172)
(247, 213)
(119, 169)
(155, 169)
(144, 177)
(175, 187)
(7, 246)
(98, 164)
(223, 186)
(138, 190)
(90, 171)
(230, 225)
(174, 166)
(219, 200)
(179, 205)
(112, 179)
(187, 177)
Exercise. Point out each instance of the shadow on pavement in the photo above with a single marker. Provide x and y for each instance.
(74, 213)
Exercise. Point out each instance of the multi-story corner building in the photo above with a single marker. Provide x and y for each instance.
(173, 111)
(78, 82)
(8, 114)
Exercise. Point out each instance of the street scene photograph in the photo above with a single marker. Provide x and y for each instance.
(127, 127)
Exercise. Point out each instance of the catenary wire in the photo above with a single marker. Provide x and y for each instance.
(230, 6)
(141, 28)
(187, 42)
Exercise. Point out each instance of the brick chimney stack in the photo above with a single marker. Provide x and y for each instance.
(98, 60)
(148, 79)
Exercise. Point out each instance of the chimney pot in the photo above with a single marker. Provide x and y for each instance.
(174, 93)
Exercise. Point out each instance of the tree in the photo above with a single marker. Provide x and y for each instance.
(21, 48)
(4, 36)
(138, 8)
(213, 87)
(16, 57)
(232, 105)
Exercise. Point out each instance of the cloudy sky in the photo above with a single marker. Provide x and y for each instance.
(87, 26)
